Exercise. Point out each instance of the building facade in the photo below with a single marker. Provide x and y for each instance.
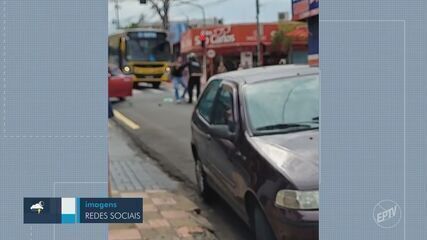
(236, 44)
(308, 11)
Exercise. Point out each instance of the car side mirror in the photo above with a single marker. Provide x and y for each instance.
(223, 131)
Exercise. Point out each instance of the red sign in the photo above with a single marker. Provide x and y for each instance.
(302, 9)
(237, 35)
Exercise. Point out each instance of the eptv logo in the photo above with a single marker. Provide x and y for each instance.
(387, 214)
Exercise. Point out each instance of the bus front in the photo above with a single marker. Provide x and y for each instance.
(147, 54)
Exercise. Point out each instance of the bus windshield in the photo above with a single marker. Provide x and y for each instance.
(147, 46)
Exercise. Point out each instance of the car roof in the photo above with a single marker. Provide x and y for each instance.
(260, 74)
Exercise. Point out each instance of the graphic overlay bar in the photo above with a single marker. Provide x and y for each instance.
(68, 210)
(42, 210)
(111, 210)
(82, 210)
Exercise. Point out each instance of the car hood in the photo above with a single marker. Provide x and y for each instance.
(295, 155)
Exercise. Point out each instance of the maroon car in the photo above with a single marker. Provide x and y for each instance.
(119, 85)
(255, 142)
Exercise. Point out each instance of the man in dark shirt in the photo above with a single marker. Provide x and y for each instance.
(195, 73)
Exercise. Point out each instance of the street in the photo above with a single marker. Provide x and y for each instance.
(164, 128)
(150, 152)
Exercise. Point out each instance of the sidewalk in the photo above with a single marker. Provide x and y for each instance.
(168, 214)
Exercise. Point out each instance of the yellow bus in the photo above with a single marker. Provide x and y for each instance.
(144, 53)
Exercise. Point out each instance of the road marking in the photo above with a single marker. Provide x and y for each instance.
(125, 120)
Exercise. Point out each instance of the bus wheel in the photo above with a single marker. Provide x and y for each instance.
(156, 85)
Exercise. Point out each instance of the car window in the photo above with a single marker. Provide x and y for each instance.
(303, 103)
(282, 105)
(205, 104)
(223, 110)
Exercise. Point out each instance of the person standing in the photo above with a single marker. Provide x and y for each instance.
(177, 70)
(221, 67)
(195, 73)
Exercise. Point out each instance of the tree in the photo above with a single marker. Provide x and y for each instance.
(281, 42)
(162, 8)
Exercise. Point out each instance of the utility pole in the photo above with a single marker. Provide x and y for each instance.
(117, 7)
(258, 31)
(202, 37)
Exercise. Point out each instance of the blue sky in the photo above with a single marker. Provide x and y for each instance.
(232, 11)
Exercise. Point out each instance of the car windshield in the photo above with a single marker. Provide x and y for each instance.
(147, 46)
(283, 105)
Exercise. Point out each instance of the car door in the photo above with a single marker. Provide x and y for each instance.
(222, 150)
(201, 123)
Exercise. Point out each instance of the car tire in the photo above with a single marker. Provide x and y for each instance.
(136, 85)
(260, 226)
(205, 191)
(156, 85)
(122, 99)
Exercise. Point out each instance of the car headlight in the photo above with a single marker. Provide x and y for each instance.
(301, 200)
(126, 69)
(168, 69)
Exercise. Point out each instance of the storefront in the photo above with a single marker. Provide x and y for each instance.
(234, 44)
(308, 11)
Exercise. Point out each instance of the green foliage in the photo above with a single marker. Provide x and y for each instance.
(280, 41)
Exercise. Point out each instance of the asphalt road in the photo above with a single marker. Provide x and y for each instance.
(161, 128)
(164, 128)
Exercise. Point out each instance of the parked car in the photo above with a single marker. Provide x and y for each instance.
(119, 85)
(255, 136)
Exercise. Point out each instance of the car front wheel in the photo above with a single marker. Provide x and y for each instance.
(202, 185)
